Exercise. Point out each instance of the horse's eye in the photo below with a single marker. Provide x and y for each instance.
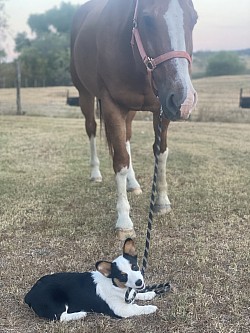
(148, 21)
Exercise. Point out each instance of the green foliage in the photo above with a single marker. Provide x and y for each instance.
(3, 20)
(56, 19)
(3, 23)
(22, 41)
(7, 75)
(2, 55)
(225, 63)
(45, 59)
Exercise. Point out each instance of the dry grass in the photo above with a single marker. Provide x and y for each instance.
(48, 102)
(218, 101)
(52, 219)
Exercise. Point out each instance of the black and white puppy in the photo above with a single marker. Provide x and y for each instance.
(70, 296)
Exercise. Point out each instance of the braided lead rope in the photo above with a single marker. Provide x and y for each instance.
(152, 199)
(128, 298)
(157, 288)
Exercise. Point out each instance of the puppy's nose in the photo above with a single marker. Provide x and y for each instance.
(138, 283)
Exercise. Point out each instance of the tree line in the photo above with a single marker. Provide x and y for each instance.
(44, 58)
(3, 23)
(222, 63)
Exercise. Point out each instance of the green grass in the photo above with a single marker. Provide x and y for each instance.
(53, 219)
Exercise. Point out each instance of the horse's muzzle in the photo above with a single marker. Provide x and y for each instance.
(178, 106)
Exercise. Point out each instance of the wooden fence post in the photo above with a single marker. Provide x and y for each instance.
(18, 89)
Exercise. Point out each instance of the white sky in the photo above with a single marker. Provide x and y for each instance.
(222, 24)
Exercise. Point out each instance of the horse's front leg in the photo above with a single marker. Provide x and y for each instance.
(115, 125)
(162, 202)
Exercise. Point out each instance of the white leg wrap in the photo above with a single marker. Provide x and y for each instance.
(123, 208)
(162, 204)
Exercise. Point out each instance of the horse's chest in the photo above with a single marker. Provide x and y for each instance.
(138, 97)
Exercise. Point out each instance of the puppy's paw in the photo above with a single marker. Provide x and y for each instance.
(149, 295)
(147, 309)
(146, 296)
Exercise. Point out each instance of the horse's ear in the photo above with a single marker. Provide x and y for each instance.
(191, 5)
(129, 247)
(104, 267)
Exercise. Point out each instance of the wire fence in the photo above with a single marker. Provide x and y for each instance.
(218, 101)
(47, 101)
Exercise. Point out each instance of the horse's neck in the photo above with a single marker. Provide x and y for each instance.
(123, 11)
(114, 32)
(114, 36)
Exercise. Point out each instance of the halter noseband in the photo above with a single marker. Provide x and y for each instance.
(152, 63)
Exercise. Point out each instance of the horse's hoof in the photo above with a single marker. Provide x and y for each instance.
(96, 179)
(123, 234)
(136, 191)
(162, 209)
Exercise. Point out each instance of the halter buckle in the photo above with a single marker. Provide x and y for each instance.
(149, 62)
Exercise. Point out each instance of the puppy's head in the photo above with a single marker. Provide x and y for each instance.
(124, 270)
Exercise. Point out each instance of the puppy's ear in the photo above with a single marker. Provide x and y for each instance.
(129, 247)
(104, 267)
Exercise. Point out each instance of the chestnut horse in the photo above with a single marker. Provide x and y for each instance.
(133, 55)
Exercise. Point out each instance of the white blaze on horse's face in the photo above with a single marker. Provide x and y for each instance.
(174, 18)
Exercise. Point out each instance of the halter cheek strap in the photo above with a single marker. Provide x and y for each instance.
(152, 63)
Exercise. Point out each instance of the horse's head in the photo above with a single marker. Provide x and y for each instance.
(165, 26)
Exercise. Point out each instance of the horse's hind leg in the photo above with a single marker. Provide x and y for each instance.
(86, 102)
(162, 203)
(132, 183)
